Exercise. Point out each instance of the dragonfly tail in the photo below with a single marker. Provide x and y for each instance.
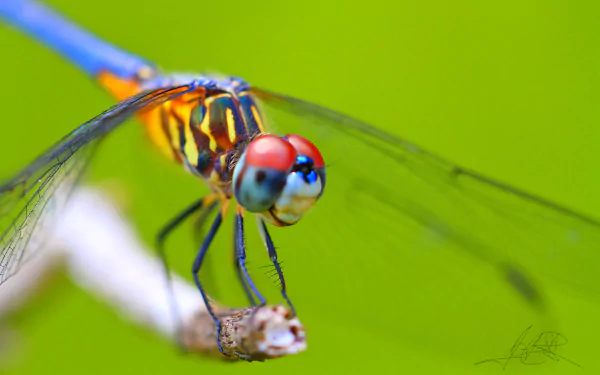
(88, 52)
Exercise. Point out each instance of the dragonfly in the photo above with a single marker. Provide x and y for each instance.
(263, 153)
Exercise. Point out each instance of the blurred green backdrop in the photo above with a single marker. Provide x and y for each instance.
(509, 89)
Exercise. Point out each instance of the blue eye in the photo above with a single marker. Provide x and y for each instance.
(311, 177)
(306, 168)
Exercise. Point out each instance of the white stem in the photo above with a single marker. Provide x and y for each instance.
(108, 260)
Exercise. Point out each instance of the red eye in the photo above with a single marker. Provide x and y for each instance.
(269, 151)
(305, 147)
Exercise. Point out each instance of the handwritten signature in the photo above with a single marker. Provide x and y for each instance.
(534, 352)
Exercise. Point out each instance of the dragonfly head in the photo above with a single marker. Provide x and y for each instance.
(280, 178)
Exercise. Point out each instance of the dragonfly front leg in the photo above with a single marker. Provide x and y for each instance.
(273, 255)
(240, 260)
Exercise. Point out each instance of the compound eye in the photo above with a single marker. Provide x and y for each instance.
(261, 173)
(305, 147)
(271, 152)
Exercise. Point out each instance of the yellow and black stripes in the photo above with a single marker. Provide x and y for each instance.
(252, 116)
(203, 129)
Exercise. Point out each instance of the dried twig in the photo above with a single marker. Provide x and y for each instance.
(252, 334)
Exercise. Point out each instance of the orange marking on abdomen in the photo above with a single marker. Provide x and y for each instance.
(152, 119)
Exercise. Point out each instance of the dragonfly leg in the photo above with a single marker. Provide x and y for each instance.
(172, 224)
(161, 238)
(240, 261)
(196, 269)
(273, 255)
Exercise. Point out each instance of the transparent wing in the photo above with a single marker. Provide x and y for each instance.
(28, 199)
(413, 238)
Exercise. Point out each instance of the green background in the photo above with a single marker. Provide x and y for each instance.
(508, 88)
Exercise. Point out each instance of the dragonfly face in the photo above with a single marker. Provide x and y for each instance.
(279, 178)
